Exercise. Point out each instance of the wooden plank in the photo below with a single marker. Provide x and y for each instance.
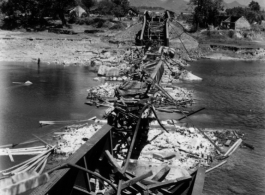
(199, 182)
(220, 164)
(228, 142)
(236, 144)
(139, 185)
(135, 180)
(42, 123)
(190, 114)
(26, 163)
(41, 140)
(10, 155)
(148, 181)
(160, 176)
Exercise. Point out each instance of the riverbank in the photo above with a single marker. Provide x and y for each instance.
(221, 56)
(50, 47)
(219, 45)
(80, 48)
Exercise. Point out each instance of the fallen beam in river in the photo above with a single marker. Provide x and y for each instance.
(233, 147)
(190, 114)
(220, 164)
(43, 123)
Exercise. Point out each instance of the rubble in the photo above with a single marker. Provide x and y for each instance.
(73, 137)
(102, 91)
(189, 147)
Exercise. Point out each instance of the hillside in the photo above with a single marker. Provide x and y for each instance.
(233, 4)
(173, 5)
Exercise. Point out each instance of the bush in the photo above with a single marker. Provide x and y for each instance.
(257, 28)
(231, 33)
(88, 21)
(72, 20)
(80, 21)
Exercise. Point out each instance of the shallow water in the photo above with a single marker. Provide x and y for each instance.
(233, 93)
(57, 93)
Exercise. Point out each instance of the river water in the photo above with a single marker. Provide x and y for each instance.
(58, 93)
(233, 93)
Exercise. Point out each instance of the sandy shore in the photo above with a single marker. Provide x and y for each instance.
(221, 56)
(50, 47)
(68, 49)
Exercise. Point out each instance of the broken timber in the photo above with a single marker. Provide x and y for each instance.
(65, 178)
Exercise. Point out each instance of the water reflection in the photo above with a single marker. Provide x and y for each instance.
(57, 93)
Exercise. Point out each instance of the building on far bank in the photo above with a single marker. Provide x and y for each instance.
(78, 12)
(235, 23)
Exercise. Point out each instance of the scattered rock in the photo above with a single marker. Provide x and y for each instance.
(28, 83)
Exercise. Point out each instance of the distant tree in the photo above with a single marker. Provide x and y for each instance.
(105, 7)
(89, 3)
(28, 7)
(206, 11)
(123, 3)
(251, 15)
(254, 6)
(56, 7)
(117, 7)
(121, 8)
(118, 11)
(35, 9)
(236, 11)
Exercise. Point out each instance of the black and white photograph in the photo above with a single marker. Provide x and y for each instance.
(132, 97)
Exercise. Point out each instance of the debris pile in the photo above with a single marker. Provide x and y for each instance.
(73, 137)
(102, 91)
(36, 163)
(119, 66)
(184, 147)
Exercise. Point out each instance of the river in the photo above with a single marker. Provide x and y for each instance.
(233, 93)
(58, 93)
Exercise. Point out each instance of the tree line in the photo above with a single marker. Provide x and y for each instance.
(206, 12)
(37, 10)
(252, 13)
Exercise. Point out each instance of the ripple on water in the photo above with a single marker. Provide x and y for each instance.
(233, 94)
